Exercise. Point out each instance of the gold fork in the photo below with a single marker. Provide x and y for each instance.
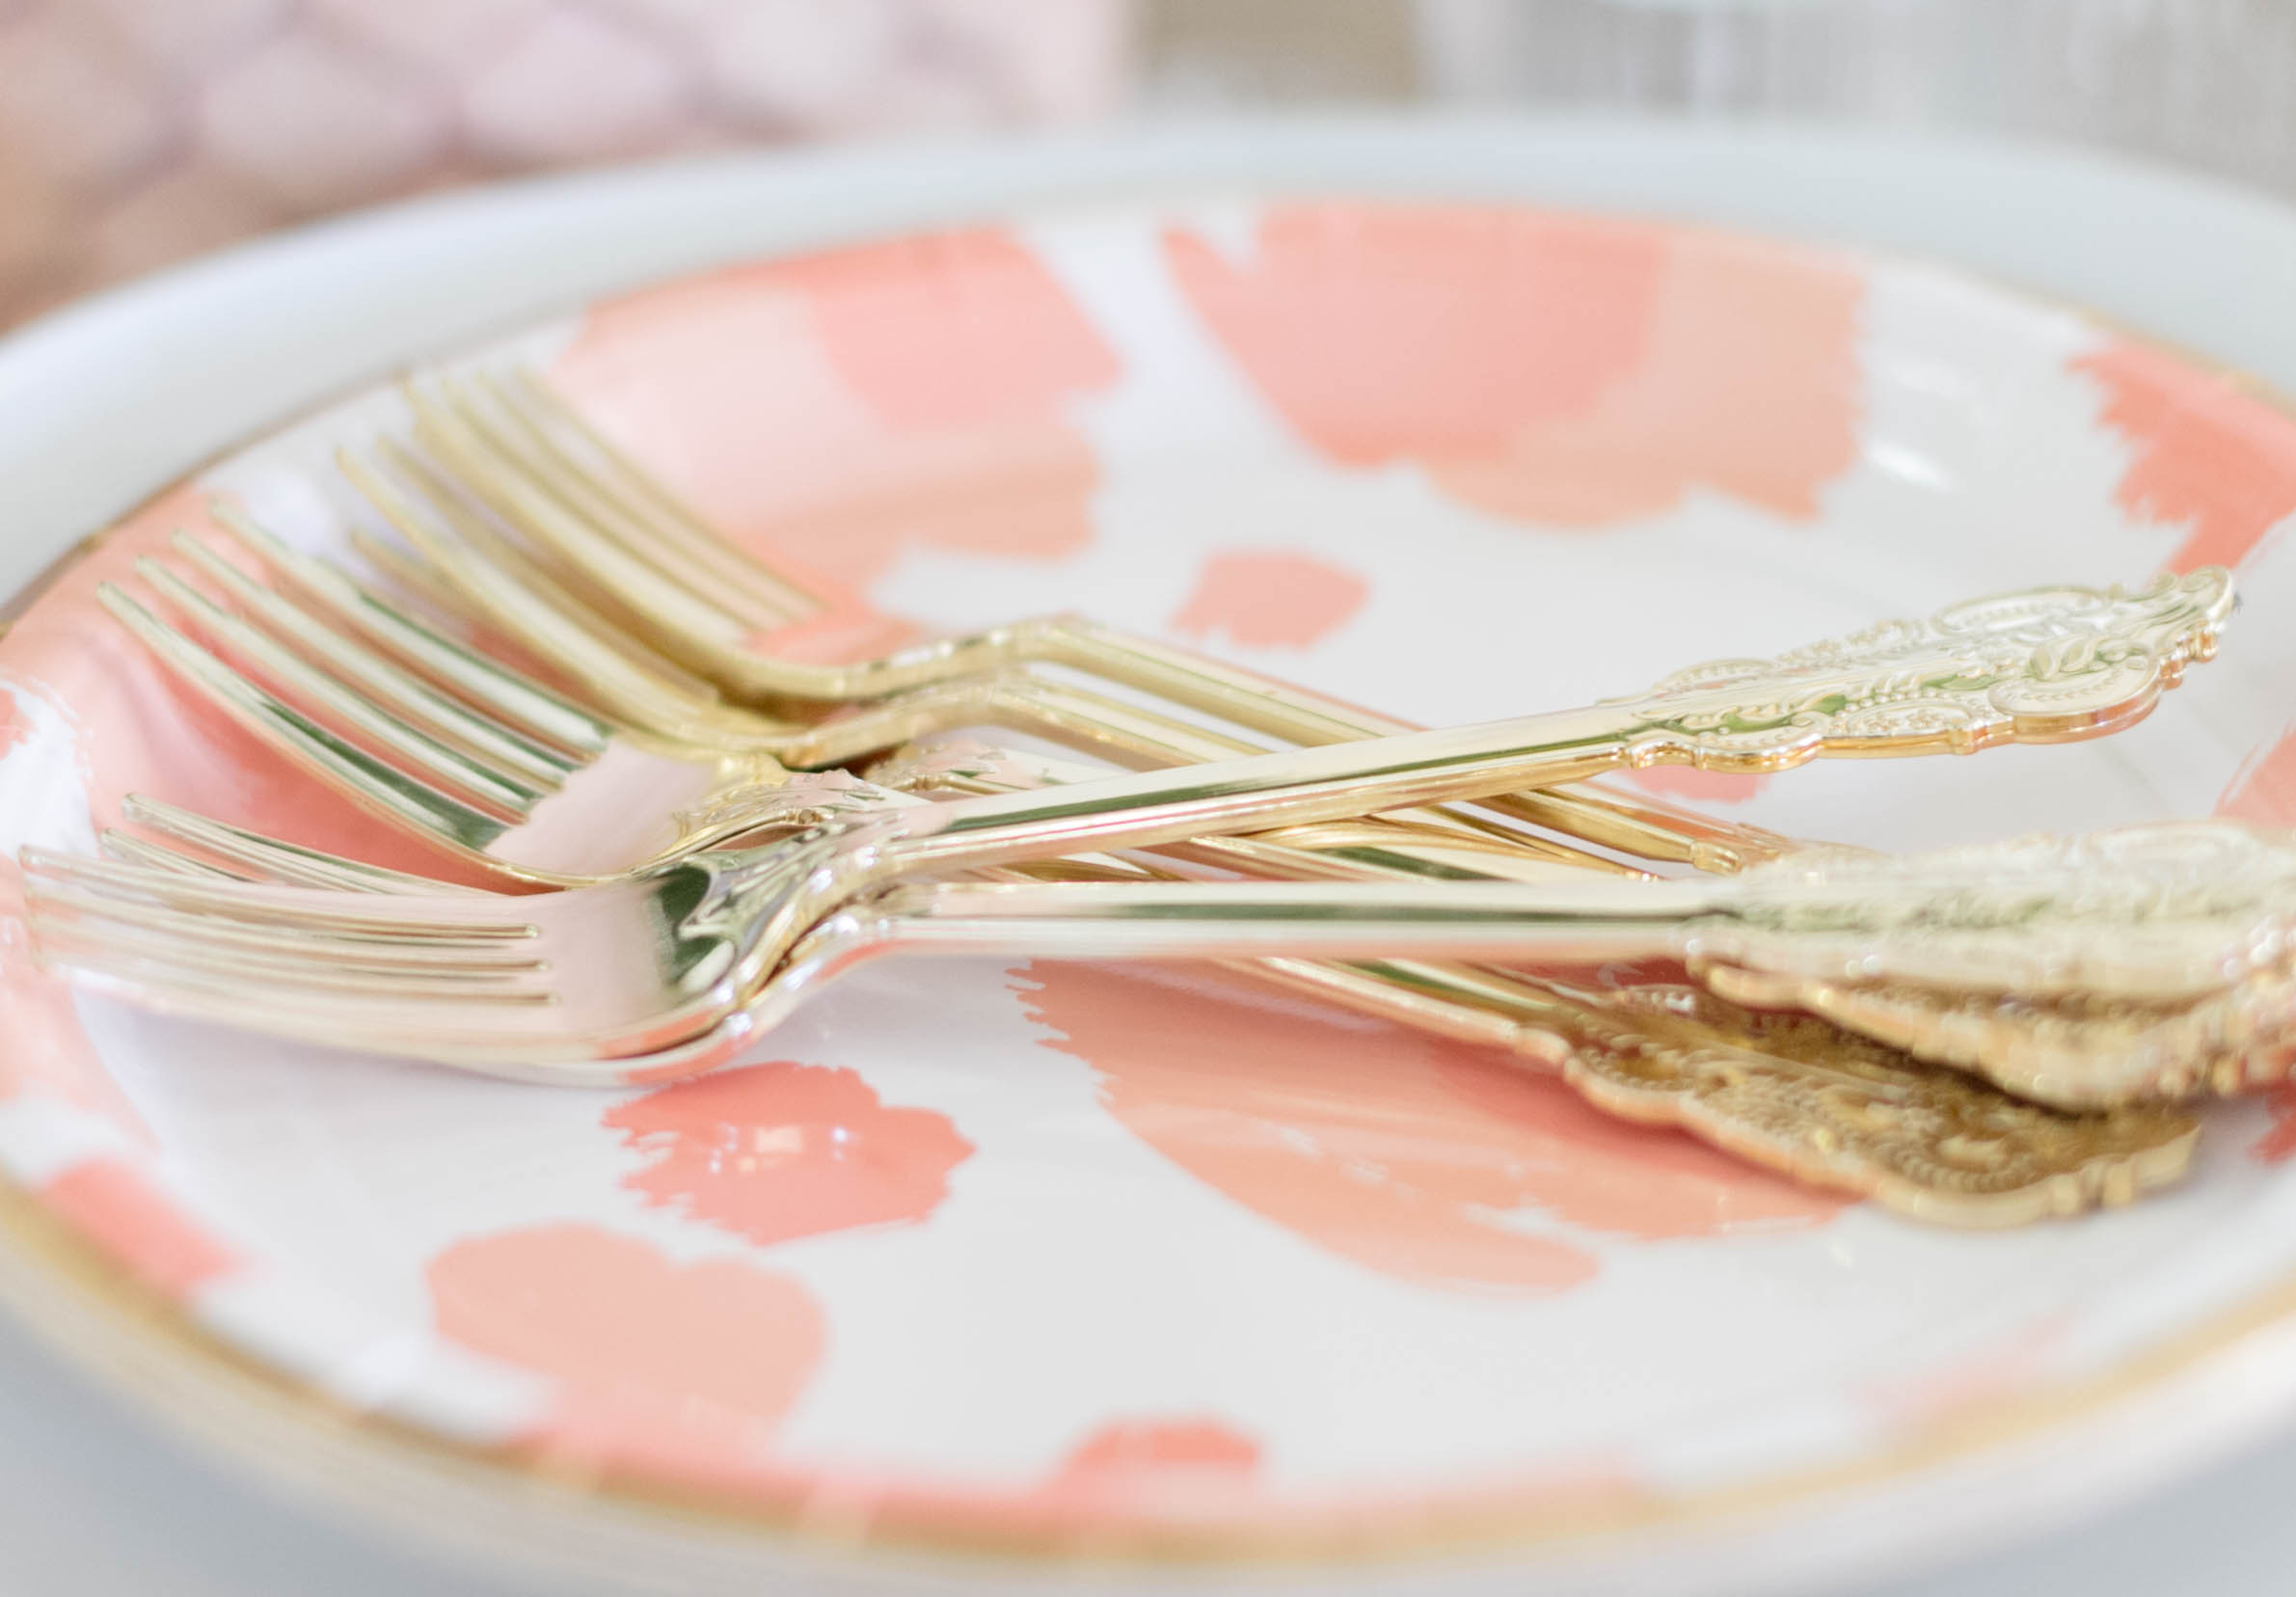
(500, 770)
(1787, 1093)
(536, 463)
(2046, 666)
(635, 551)
(461, 563)
(2156, 1045)
(2056, 664)
(2190, 913)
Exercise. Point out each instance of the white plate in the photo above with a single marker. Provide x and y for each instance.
(1841, 1458)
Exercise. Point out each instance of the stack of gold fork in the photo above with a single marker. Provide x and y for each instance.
(687, 836)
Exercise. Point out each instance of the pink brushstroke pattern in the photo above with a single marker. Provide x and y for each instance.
(681, 1370)
(112, 1204)
(1280, 599)
(1396, 1149)
(834, 413)
(781, 1150)
(1567, 371)
(1699, 787)
(2209, 455)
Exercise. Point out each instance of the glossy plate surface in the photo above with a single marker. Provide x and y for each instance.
(1064, 1256)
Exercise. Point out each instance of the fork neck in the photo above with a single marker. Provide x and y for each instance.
(1594, 920)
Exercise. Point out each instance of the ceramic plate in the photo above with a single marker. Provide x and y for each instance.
(1063, 1259)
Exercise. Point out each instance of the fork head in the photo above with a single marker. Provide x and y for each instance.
(610, 536)
(673, 968)
(429, 735)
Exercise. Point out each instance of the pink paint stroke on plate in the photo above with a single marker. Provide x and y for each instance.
(781, 1150)
(116, 1207)
(682, 1370)
(2209, 455)
(14, 728)
(1568, 371)
(2262, 792)
(1974, 1380)
(2278, 1145)
(49, 1051)
(1401, 1152)
(1270, 599)
(1182, 1467)
(1699, 787)
(833, 412)
(1123, 1446)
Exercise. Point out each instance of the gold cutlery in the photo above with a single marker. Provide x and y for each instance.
(480, 764)
(1787, 1092)
(654, 575)
(2070, 1051)
(2179, 911)
(680, 966)
(2050, 664)
(1987, 1005)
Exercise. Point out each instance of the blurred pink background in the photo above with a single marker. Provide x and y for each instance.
(135, 132)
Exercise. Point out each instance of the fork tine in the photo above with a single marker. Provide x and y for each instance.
(516, 595)
(492, 746)
(526, 396)
(1074, 714)
(421, 483)
(526, 706)
(261, 985)
(75, 926)
(265, 859)
(430, 760)
(706, 566)
(539, 989)
(238, 959)
(483, 921)
(157, 931)
(128, 849)
(411, 572)
(670, 611)
(381, 788)
(384, 1024)
(1643, 826)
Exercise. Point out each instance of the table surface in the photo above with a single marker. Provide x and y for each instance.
(111, 399)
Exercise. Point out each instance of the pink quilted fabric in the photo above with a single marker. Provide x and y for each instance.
(133, 132)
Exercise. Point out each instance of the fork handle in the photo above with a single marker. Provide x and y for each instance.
(1293, 786)
(2048, 666)
(1599, 919)
(1649, 827)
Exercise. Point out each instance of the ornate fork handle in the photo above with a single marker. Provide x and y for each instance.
(2048, 665)
(2132, 965)
(1789, 1092)
(2164, 913)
